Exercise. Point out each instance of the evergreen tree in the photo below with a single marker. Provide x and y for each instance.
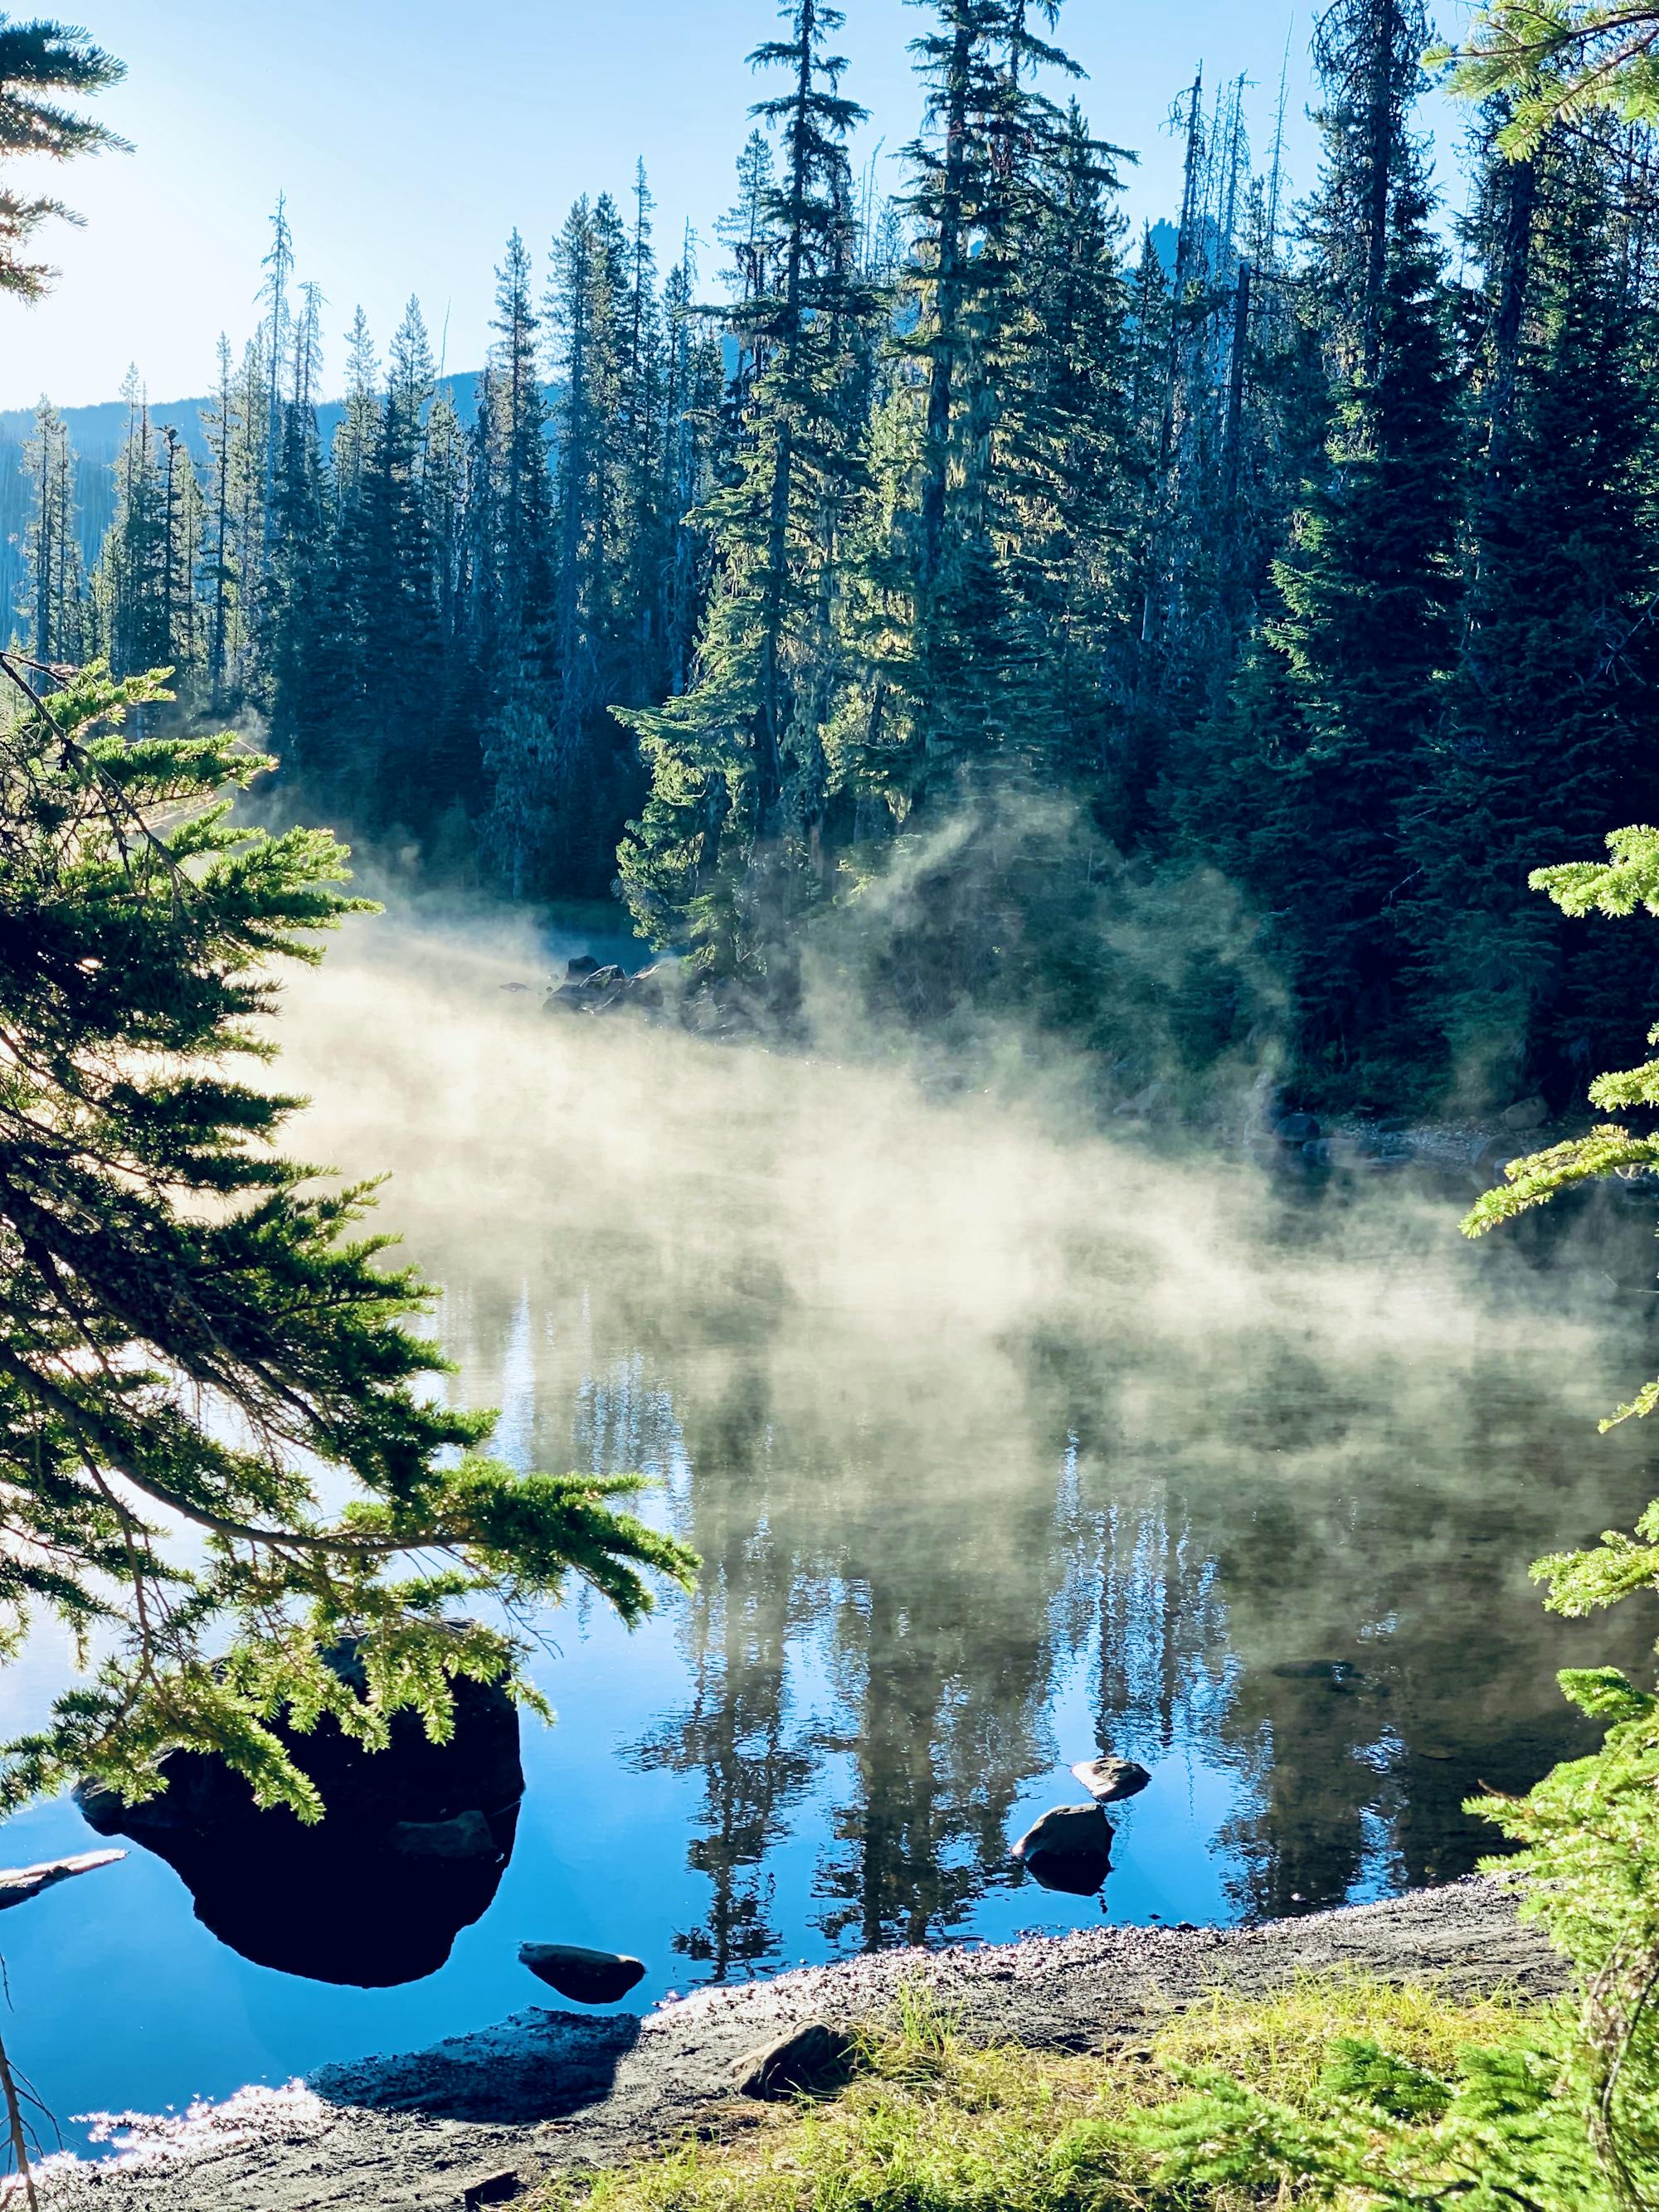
(957, 684)
(130, 583)
(221, 573)
(38, 59)
(737, 762)
(189, 1335)
(1548, 736)
(513, 587)
(400, 642)
(1336, 720)
(297, 606)
(590, 309)
(181, 552)
(54, 601)
(641, 673)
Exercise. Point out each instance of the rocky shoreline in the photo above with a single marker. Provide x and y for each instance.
(549, 2089)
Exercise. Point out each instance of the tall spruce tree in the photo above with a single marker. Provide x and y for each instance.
(739, 779)
(54, 601)
(1338, 717)
(1548, 736)
(129, 604)
(515, 590)
(957, 685)
(296, 608)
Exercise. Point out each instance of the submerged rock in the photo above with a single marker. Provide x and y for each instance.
(1069, 1849)
(815, 2058)
(20, 1885)
(410, 1850)
(1335, 1674)
(1109, 1781)
(595, 1977)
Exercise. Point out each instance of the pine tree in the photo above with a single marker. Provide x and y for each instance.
(514, 588)
(277, 338)
(153, 1230)
(1548, 735)
(296, 608)
(738, 765)
(693, 384)
(745, 230)
(1336, 723)
(957, 684)
(38, 59)
(400, 641)
(588, 309)
(54, 601)
(1069, 476)
(221, 569)
(131, 614)
(181, 553)
(641, 671)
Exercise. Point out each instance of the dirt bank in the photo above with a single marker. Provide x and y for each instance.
(552, 2089)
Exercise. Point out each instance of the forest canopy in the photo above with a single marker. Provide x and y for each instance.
(1304, 543)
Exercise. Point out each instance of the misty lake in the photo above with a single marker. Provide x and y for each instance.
(1004, 1442)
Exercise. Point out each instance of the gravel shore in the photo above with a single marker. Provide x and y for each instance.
(545, 2089)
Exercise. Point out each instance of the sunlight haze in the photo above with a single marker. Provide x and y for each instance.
(411, 140)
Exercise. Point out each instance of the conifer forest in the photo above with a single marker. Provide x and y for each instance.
(1298, 552)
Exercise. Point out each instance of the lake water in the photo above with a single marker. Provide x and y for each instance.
(1004, 1442)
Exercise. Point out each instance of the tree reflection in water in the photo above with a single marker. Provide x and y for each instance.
(974, 1425)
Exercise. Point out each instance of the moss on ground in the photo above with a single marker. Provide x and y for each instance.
(932, 2122)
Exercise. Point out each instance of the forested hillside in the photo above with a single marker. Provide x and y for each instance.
(1288, 579)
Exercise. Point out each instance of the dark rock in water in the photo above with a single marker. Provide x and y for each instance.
(813, 2058)
(1297, 1129)
(1335, 1674)
(494, 2189)
(595, 1977)
(1069, 1849)
(20, 1885)
(577, 971)
(1109, 1781)
(411, 1849)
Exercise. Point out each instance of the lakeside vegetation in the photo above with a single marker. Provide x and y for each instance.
(934, 2122)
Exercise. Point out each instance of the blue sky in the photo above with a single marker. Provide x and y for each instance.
(410, 137)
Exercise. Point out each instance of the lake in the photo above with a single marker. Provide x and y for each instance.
(1005, 1441)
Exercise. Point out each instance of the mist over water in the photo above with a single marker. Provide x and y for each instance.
(1006, 1435)
(975, 1409)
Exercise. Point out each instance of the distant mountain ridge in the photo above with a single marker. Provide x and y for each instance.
(96, 433)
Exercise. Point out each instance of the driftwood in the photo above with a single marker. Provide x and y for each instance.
(18, 1885)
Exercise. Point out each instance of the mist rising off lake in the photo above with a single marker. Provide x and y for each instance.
(1005, 1439)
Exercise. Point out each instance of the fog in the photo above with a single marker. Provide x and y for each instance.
(862, 1213)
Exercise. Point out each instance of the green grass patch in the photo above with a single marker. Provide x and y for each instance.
(933, 2123)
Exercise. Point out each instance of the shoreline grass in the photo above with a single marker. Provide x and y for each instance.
(934, 2123)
